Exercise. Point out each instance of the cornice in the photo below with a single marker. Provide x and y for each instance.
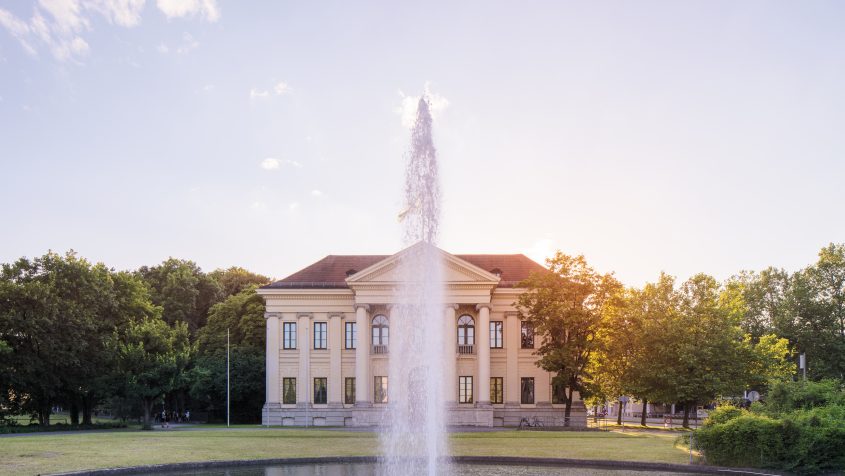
(309, 297)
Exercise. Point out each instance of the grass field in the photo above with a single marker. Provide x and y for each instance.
(45, 453)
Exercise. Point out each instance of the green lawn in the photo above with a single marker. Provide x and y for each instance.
(45, 453)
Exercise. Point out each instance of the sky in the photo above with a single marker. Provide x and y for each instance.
(685, 137)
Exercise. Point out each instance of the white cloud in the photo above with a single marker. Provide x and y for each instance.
(121, 12)
(281, 88)
(407, 110)
(185, 8)
(271, 163)
(60, 26)
(67, 15)
(293, 206)
(316, 193)
(188, 44)
(257, 93)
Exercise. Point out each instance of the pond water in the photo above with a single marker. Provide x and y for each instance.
(364, 469)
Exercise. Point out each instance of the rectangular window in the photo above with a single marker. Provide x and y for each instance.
(527, 335)
(558, 392)
(351, 335)
(289, 337)
(496, 341)
(380, 390)
(497, 390)
(464, 389)
(349, 391)
(527, 394)
(288, 390)
(320, 335)
(320, 393)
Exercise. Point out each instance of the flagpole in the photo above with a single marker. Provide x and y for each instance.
(227, 377)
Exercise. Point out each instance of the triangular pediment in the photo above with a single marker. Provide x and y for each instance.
(455, 270)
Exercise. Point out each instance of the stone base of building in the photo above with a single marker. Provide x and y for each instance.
(508, 416)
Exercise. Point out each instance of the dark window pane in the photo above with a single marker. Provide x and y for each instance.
(320, 396)
(497, 394)
(527, 336)
(349, 391)
(380, 390)
(527, 396)
(288, 391)
(558, 392)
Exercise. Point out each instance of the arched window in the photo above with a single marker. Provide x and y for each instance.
(466, 330)
(381, 328)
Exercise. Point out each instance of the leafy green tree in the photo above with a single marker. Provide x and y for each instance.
(58, 313)
(764, 299)
(151, 356)
(183, 290)
(565, 308)
(243, 315)
(236, 279)
(823, 318)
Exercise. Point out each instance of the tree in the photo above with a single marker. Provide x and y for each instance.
(57, 313)
(236, 279)
(243, 315)
(183, 291)
(765, 298)
(823, 318)
(151, 357)
(565, 307)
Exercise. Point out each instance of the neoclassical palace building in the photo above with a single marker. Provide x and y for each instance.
(328, 344)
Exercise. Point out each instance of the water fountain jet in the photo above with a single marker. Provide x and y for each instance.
(414, 440)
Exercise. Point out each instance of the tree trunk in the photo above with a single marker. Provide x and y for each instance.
(686, 414)
(44, 415)
(86, 410)
(568, 409)
(645, 412)
(148, 406)
(74, 413)
(619, 415)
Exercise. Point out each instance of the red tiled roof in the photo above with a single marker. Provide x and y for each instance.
(331, 271)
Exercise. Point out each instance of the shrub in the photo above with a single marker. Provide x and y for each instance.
(806, 441)
(747, 440)
(722, 414)
(785, 397)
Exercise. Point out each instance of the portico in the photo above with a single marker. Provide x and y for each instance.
(328, 344)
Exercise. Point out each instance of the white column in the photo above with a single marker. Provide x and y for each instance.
(303, 341)
(335, 343)
(513, 341)
(482, 341)
(450, 359)
(272, 356)
(362, 356)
